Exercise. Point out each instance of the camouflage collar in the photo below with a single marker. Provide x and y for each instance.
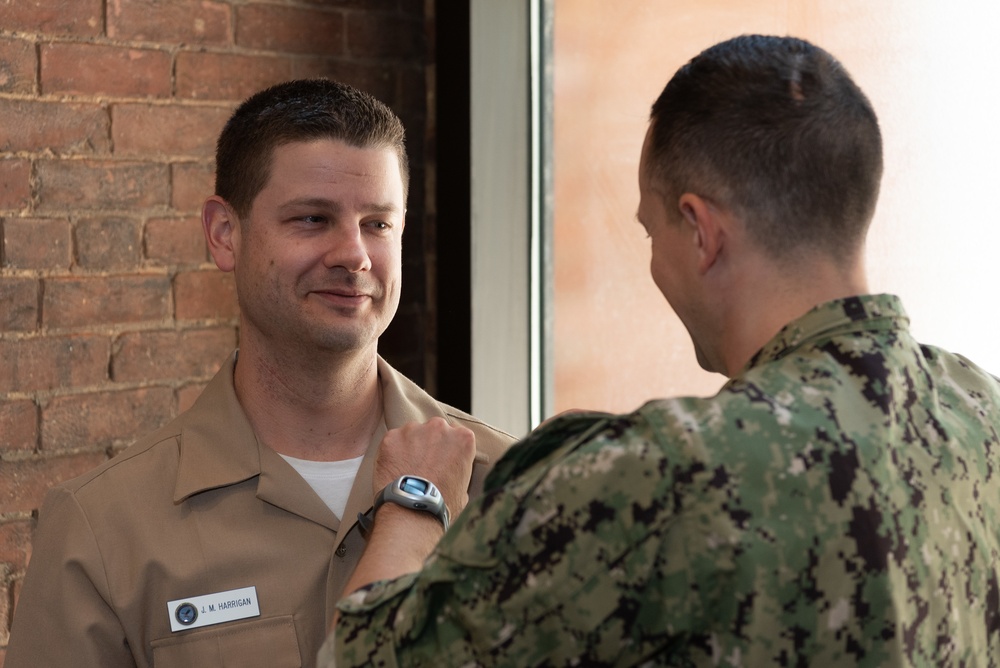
(858, 313)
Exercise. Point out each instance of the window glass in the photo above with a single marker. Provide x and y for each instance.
(929, 69)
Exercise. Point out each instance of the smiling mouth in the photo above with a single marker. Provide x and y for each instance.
(335, 294)
(343, 299)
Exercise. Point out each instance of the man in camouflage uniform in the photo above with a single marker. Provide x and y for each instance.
(836, 503)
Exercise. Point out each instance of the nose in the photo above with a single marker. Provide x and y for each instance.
(346, 248)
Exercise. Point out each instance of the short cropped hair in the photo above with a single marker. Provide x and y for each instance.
(301, 110)
(775, 130)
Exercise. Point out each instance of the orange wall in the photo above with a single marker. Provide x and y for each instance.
(928, 72)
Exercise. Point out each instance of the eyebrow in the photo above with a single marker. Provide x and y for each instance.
(332, 205)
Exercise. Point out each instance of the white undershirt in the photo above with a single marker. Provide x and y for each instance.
(332, 481)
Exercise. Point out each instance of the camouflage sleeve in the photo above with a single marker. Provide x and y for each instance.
(551, 566)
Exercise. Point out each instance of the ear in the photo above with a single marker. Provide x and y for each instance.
(219, 223)
(705, 223)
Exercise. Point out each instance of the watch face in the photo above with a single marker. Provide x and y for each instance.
(416, 493)
(414, 485)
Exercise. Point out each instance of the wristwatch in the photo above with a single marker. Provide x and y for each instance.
(412, 492)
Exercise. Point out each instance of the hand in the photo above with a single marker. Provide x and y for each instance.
(401, 539)
(435, 450)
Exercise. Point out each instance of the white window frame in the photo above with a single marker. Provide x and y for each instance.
(511, 387)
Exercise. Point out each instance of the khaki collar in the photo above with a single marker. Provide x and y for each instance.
(217, 444)
(403, 401)
(218, 447)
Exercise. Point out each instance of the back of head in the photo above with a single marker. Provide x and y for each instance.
(775, 130)
(302, 110)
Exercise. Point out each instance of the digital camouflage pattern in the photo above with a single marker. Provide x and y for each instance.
(836, 504)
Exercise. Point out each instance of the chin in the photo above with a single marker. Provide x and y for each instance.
(341, 339)
(705, 363)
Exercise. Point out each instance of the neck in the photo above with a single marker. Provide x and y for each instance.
(760, 307)
(323, 408)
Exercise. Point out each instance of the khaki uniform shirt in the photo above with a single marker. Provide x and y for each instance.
(835, 505)
(199, 507)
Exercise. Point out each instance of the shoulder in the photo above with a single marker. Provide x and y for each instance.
(405, 401)
(153, 459)
(962, 370)
(489, 439)
(147, 464)
(617, 453)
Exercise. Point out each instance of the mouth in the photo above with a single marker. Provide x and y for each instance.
(343, 292)
(343, 297)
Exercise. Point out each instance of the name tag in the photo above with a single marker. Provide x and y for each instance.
(226, 606)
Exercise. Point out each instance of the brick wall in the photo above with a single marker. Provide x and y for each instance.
(112, 316)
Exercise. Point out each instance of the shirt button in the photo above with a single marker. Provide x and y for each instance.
(341, 551)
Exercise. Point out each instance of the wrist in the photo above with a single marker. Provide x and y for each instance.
(397, 544)
(400, 519)
(416, 496)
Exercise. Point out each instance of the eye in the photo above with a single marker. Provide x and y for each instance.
(379, 225)
(314, 219)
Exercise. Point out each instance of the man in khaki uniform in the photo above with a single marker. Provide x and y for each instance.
(225, 537)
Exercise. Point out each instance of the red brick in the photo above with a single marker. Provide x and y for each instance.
(58, 127)
(290, 29)
(79, 17)
(190, 354)
(192, 183)
(18, 426)
(17, 66)
(23, 483)
(184, 21)
(74, 302)
(114, 451)
(19, 297)
(15, 184)
(15, 543)
(144, 130)
(187, 395)
(45, 363)
(227, 76)
(175, 241)
(98, 69)
(372, 34)
(205, 294)
(37, 243)
(104, 418)
(5, 605)
(108, 243)
(65, 185)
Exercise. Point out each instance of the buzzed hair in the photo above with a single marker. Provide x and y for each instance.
(301, 110)
(775, 130)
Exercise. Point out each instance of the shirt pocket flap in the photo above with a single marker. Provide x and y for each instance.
(262, 643)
